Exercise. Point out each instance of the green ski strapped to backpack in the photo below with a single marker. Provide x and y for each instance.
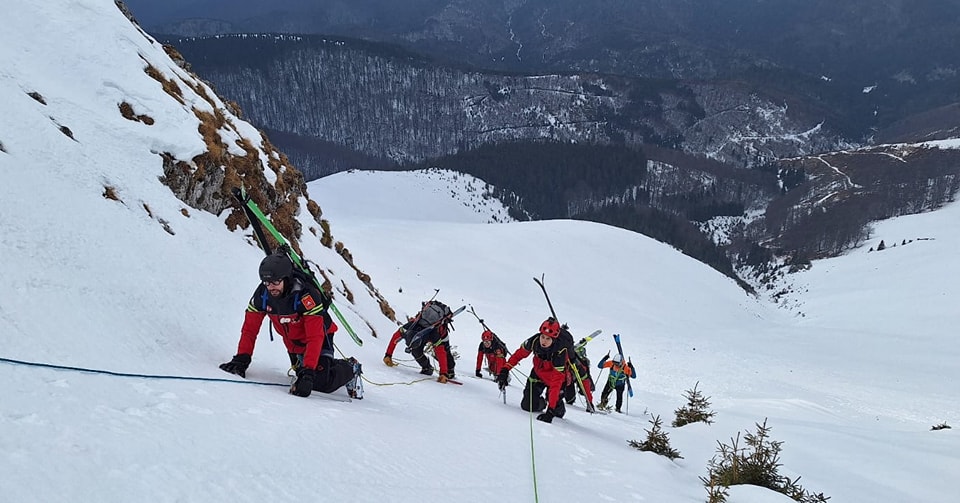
(259, 222)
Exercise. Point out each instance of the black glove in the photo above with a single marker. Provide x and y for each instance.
(238, 365)
(304, 383)
(503, 378)
(546, 417)
(479, 374)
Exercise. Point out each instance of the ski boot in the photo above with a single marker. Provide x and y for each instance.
(355, 385)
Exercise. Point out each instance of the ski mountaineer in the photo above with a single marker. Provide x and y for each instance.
(495, 352)
(551, 352)
(298, 312)
(617, 379)
(582, 364)
(431, 328)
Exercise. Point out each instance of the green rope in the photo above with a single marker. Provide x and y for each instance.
(400, 363)
(533, 454)
(533, 457)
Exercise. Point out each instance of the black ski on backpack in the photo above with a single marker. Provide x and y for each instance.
(444, 318)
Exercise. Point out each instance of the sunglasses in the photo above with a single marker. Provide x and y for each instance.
(273, 283)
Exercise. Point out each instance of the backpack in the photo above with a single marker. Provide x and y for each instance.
(433, 312)
(566, 340)
(308, 278)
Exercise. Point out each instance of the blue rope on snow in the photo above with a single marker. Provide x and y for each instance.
(141, 376)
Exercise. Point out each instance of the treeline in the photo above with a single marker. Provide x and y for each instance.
(333, 97)
(548, 177)
(809, 221)
(668, 228)
(604, 184)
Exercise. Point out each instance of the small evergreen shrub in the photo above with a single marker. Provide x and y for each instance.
(657, 441)
(697, 409)
(756, 464)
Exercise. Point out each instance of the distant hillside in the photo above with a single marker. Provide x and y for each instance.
(382, 103)
(825, 51)
(741, 222)
(337, 103)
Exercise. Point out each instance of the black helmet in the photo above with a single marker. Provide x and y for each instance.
(275, 267)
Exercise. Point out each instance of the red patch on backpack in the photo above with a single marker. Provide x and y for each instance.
(308, 302)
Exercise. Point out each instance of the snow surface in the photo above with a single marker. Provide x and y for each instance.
(951, 143)
(851, 386)
(426, 195)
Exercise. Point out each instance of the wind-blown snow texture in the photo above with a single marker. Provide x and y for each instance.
(851, 377)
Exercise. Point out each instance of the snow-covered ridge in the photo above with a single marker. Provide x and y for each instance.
(432, 194)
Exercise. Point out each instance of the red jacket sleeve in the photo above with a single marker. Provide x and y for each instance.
(479, 359)
(518, 355)
(248, 332)
(315, 333)
(393, 341)
(441, 354)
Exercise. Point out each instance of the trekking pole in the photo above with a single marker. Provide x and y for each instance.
(598, 381)
(628, 401)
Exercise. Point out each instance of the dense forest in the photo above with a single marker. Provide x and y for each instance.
(606, 184)
(335, 104)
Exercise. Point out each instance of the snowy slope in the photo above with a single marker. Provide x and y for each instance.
(98, 283)
(431, 194)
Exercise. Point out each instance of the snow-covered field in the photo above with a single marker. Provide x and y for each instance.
(852, 386)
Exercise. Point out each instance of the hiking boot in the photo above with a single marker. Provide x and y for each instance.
(427, 371)
(603, 404)
(546, 417)
(559, 410)
(355, 385)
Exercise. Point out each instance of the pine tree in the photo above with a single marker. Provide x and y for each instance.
(696, 410)
(657, 441)
(756, 464)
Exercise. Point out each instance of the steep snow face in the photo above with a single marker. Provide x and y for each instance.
(83, 199)
(103, 268)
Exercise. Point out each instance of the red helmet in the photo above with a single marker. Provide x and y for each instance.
(486, 335)
(550, 327)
